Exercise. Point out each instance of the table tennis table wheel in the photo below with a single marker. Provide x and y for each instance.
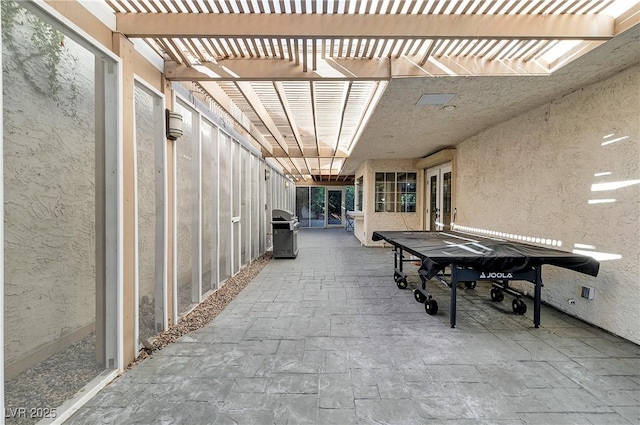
(396, 276)
(497, 295)
(431, 307)
(470, 285)
(419, 296)
(519, 307)
(402, 283)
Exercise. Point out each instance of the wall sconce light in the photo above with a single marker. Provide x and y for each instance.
(174, 125)
(286, 183)
(267, 174)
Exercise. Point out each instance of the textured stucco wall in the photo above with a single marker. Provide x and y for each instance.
(185, 187)
(147, 204)
(533, 176)
(49, 193)
(224, 209)
(377, 221)
(209, 206)
(145, 146)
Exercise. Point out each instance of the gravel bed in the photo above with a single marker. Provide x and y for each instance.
(51, 382)
(208, 309)
(146, 315)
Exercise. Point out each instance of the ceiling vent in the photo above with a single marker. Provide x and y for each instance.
(435, 99)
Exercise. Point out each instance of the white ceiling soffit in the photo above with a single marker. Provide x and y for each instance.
(307, 74)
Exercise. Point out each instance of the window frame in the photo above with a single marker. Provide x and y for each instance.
(359, 196)
(393, 192)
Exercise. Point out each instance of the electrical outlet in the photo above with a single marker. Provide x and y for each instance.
(572, 301)
(588, 292)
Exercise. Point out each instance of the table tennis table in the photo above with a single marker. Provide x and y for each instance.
(471, 258)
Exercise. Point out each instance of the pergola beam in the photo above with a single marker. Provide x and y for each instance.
(218, 95)
(326, 153)
(371, 70)
(339, 26)
(465, 66)
(286, 107)
(256, 69)
(252, 98)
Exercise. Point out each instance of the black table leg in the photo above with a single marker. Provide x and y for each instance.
(454, 284)
(537, 297)
(398, 275)
(395, 257)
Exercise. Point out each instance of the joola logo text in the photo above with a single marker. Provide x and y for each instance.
(484, 275)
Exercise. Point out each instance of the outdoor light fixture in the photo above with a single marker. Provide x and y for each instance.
(174, 125)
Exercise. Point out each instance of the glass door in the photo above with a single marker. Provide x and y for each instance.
(317, 213)
(335, 208)
(303, 212)
(321, 206)
(438, 187)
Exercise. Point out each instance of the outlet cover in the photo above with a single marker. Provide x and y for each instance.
(588, 292)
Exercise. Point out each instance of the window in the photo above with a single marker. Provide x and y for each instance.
(395, 192)
(360, 194)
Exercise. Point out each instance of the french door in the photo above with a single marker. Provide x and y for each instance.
(320, 206)
(335, 206)
(438, 195)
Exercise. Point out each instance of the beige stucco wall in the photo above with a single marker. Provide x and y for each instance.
(149, 204)
(185, 187)
(533, 176)
(377, 221)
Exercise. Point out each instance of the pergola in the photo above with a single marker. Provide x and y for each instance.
(304, 77)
